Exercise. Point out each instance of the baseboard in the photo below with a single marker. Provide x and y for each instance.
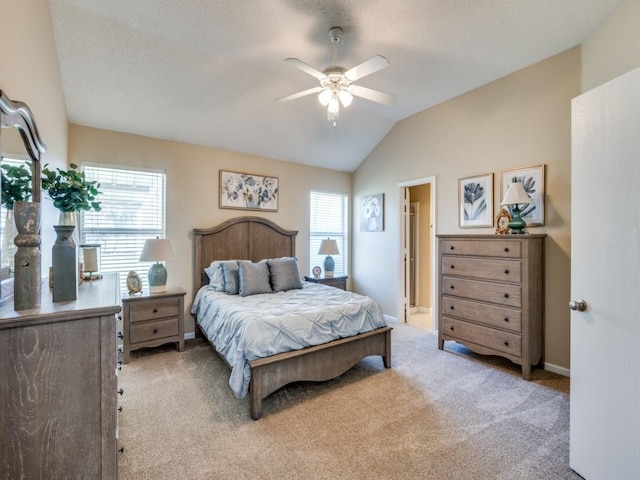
(190, 336)
(389, 318)
(565, 372)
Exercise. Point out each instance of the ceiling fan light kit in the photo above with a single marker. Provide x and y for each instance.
(336, 83)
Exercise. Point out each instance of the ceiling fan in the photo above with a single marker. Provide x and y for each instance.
(336, 82)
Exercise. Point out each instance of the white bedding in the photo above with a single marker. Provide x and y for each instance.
(257, 326)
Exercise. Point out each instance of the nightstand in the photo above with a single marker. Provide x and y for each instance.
(152, 319)
(338, 281)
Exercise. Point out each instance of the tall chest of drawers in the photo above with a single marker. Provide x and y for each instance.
(58, 381)
(491, 295)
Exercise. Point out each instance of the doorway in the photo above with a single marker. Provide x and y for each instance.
(416, 253)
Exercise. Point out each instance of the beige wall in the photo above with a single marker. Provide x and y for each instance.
(614, 48)
(192, 188)
(29, 72)
(523, 119)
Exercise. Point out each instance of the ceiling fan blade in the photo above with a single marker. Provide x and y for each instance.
(306, 68)
(367, 68)
(371, 94)
(304, 93)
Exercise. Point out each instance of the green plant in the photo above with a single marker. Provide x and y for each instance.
(16, 185)
(70, 190)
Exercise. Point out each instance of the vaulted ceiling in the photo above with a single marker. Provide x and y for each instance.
(207, 72)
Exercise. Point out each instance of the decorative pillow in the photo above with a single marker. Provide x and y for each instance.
(216, 276)
(285, 274)
(254, 278)
(230, 277)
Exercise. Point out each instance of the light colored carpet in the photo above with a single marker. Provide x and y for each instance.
(433, 415)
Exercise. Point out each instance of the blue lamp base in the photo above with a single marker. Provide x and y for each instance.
(329, 266)
(157, 278)
(517, 224)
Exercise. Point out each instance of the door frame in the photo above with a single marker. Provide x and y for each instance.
(402, 298)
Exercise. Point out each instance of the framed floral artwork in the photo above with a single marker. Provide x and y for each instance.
(475, 201)
(532, 179)
(248, 191)
(372, 213)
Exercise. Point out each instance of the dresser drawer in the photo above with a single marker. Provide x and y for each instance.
(485, 268)
(160, 308)
(501, 248)
(505, 342)
(490, 315)
(499, 293)
(142, 332)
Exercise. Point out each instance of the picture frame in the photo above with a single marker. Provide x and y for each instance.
(475, 201)
(533, 180)
(248, 191)
(372, 213)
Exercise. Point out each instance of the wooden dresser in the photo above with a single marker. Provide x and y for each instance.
(58, 381)
(491, 295)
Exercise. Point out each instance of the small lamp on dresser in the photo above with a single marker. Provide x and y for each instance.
(516, 195)
(157, 250)
(329, 247)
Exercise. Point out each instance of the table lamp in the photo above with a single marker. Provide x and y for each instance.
(329, 247)
(157, 250)
(516, 195)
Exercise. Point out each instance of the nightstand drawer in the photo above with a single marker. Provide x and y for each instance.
(142, 311)
(142, 332)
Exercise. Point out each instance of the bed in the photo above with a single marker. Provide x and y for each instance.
(255, 239)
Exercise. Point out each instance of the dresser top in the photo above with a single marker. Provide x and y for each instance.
(95, 298)
(510, 236)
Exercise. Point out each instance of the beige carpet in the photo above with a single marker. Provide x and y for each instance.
(433, 415)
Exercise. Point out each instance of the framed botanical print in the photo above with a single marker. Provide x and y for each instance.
(248, 192)
(532, 179)
(475, 201)
(372, 213)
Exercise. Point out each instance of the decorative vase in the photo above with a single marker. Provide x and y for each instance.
(71, 218)
(27, 281)
(64, 262)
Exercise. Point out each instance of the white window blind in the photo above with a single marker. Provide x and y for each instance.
(328, 219)
(132, 210)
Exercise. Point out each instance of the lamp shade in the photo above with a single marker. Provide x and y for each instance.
(156, 250)
(329, 247)
(516, 194)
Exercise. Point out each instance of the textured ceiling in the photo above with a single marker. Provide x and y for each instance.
(206, 72)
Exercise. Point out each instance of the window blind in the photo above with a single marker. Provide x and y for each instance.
(328, 218)
(132, 210)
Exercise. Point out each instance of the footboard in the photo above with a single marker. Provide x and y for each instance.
(316, 364)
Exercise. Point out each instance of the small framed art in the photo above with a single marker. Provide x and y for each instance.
(248, 191)
(372, 213)
(475, 201)
(532, 179)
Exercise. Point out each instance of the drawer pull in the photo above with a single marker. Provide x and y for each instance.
(452, 307)
(506, 249)
(120, 408)
(452, 329)
(155, 310)
(452, 267)
(452, 287)
(506, 271)
(120, 391)
(452, 247)
(506, 319)
(155, 330)
(506, 295)
(506, 343)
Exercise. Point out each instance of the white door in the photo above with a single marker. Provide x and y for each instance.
(605, 273)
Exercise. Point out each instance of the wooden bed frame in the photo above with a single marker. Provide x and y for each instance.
(256, 238)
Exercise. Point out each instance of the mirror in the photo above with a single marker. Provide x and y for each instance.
(20, 143)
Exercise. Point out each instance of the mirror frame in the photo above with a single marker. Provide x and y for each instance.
(15, 114)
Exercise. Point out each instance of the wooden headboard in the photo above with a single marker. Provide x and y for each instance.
(242, 238)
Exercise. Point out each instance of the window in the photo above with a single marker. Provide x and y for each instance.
(133, 210)
(328, 219)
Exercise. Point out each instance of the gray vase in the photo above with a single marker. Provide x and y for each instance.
(27, 281)
(64, 263)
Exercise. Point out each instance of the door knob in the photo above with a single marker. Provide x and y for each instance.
(579, 305)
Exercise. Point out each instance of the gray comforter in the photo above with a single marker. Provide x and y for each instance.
(257, 326)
